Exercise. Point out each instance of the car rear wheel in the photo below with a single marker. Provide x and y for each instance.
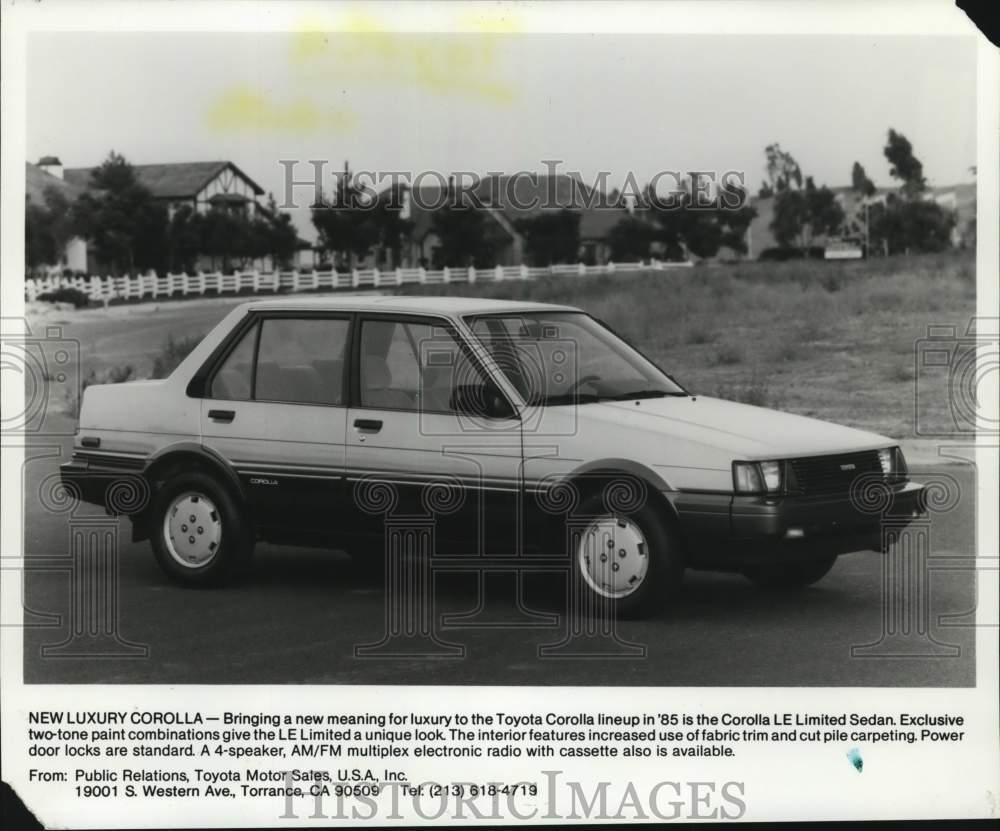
(200, 535)
(792, 575)
(628, 563)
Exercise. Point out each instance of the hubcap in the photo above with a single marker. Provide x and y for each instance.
(613, 556)
(192, 530)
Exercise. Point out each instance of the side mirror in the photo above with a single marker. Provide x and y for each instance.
(480, 401)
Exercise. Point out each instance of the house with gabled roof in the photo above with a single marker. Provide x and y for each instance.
(201, 185)
(506, 200)
(38, 180)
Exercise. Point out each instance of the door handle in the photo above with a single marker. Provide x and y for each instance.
(371, 425)
(222, 415)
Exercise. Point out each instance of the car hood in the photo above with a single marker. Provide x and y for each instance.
(741, 429)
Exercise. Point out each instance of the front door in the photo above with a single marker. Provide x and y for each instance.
(418, 444)
(276, 412)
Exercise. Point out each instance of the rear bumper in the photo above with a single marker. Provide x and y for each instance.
(118, 488)
(723, 530)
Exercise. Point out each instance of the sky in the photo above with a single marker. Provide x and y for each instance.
(502, 102)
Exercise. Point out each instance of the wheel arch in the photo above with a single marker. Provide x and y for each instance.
(197, 456)
(189, 456)
(589, 477)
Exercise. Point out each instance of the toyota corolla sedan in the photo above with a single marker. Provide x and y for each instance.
(527, 435)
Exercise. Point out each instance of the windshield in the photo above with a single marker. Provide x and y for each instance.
(555, 358)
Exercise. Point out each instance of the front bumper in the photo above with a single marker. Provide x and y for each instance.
(731, 531)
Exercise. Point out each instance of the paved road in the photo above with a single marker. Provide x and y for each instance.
(299, 614)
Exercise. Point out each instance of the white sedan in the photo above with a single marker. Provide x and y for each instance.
(523, 434)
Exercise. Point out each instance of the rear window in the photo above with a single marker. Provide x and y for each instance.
(298, 361)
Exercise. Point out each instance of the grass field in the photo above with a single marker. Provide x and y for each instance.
(833, 340)
(825, 339)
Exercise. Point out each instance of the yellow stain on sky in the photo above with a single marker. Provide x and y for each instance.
(245, 109)
(361, 50)
(360, 47)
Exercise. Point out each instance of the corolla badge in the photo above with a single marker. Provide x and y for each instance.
(260, 480)
(848, 466)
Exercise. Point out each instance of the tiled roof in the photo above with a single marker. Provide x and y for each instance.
(522, 196)
(36, 181)
(178, 180)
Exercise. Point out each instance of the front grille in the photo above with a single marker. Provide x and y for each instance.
(820, 475)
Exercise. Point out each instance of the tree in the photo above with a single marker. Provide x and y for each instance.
(226, 235)
(702, 230)
(119, 217)
(274, 234)
(462, 232)
(860, 183)
(904, 226)
(551, 236)
(47, 228)
(904, 165)
(388, 217)
(783, 172)
(185, 239)
(909, 221)
(800, 215)
(630, 238)
(346, 222)
(734, 222)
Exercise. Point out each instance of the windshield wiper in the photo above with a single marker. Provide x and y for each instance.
(628, 396)
(567, 398)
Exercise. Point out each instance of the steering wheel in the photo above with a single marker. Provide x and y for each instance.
(586, 379)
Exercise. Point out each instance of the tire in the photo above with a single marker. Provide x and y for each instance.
(792, 575)
(626, 562)
(206, 551)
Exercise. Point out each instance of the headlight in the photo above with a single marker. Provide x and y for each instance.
(885, 459)
(757, 477)
(893, 464)
(772, 475)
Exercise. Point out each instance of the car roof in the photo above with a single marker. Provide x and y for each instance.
(413, 304)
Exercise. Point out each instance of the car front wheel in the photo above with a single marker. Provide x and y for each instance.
(199, 534)
(625, 563)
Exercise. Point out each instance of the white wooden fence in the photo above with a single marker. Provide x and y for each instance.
(153, 286)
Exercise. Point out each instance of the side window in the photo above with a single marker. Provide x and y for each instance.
(415, 366)
(390, 367)
(301, 360)
(232, 380)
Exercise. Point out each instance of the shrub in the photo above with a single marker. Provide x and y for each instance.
(66, 294)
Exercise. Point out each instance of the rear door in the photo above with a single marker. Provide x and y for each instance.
(407, 428)
(275, 410)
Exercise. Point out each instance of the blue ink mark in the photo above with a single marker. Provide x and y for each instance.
(855, 757)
